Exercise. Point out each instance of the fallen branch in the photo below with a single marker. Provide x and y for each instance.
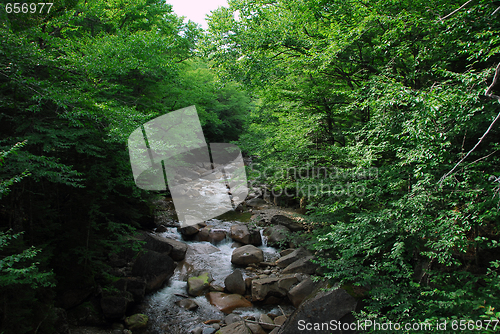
(261, 323)
(493, 83)
(456, 10)
(489, 94)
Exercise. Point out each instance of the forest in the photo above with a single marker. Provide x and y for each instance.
(378, 118)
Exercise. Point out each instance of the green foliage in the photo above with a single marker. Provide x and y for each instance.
(74, 83)
(386, 97)
(5, 184)
(19, 269)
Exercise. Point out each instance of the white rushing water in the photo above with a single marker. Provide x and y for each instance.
(165, 316)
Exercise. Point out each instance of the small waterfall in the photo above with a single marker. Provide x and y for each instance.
(263, 237)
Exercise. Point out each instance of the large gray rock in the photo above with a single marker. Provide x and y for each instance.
(198, 285)
(174, 248)
(114, 307)
(216, 235)
(303, 265)
(277, 235)
(295, 255)
(288, 222)
(266, 322)
(244, 235)
(324, 307)
(137, 321)
(234, 283)
(187, 303)
(235, 328)
(157, 243)
(247, 254)
(179, 249)
(135, 285)
(203, 234)
(299, 292)
(255, 328)
(189, 230)
(256, 202)
(227, 302)
(272, 286)
(232, 318)
(154, 267)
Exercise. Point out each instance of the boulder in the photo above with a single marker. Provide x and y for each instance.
(303, 265)
(256, 202)
(216, 235)
(136, 286)
(247, 254)
(235, 328)
(324, 307)
(279, 320)
(114, 307)
(203, 234)
(288, 222)
(196, 249)
(187, 303)
(227, 302)
(232, 318)
(295, 255)
(157, 243)
(198, 285)
(285, 252)
(255, 328)
(277, 235)
(179, 249)
(154, 267)
(137, 321)
(266, 322)
(244, 235)
(299, 292)
(189, 230)
(272, 286)
(234, 283)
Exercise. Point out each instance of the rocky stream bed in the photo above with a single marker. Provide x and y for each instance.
(221, 276)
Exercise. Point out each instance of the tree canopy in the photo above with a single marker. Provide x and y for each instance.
(383, 98)
(379, 115)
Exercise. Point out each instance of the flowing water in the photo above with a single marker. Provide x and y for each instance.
(166, 317)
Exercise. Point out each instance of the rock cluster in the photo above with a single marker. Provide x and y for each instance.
(253, 281)
(287, 280)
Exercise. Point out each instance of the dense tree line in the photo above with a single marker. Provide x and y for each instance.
(394, 87)
(74, 83)
(379, 115)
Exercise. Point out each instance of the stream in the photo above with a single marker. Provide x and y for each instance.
(166, 317)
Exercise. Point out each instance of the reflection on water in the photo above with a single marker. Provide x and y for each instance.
(243, 217)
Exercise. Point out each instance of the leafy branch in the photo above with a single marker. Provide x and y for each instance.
(491, 95)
